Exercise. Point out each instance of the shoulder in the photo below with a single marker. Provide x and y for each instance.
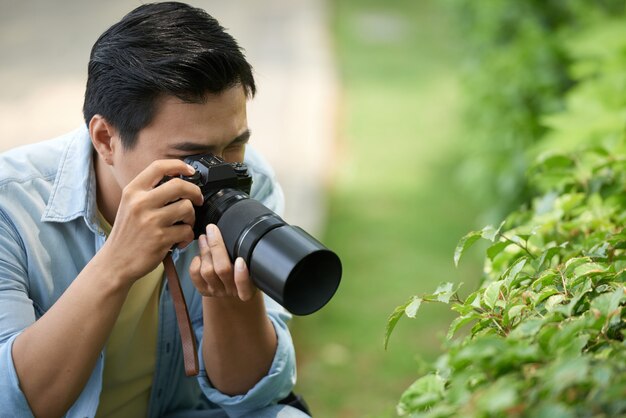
(258, 164)
(34, 161)
(265, 187)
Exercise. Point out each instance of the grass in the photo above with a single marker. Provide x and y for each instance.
(396, 209)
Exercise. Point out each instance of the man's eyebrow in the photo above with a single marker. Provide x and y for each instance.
(189, 146)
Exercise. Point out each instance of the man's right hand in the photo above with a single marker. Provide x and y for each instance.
(151, 220)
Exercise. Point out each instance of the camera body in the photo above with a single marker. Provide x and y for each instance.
(213, 173)
(214, 176)
(284, 261)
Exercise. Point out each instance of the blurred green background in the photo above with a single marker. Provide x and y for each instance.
(397, 209)
(444, 105)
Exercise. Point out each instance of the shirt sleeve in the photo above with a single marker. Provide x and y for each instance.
(16, 313)
(273, 387)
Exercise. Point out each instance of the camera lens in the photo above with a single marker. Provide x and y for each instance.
(285, 262)
(296, 268)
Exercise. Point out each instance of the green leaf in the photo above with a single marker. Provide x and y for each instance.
(492, 293)
(547, 255)
(411, 309)
(496, 249)
(466, 242)
(445, 291)
(571, 337)
(545, 294)
(490, 233)
(553, 301)
(468, 305)
(573, 263)
(551, 409)
(520, 239)
(475, 301)
(618, 240)
(515, 270)
(547, 278)
(515, 311)
(459, 322)
(422, 394)
(607, 303)
(566, 372)
(569, 201)
(393, 319)
(499, 396)
(556, 161)
(589, 269)
(573, 347)
(527, 328)
(598, 251)
(579, 293)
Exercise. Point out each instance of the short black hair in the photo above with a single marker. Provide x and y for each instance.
(157, 50)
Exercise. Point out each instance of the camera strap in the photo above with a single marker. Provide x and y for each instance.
(187, 338)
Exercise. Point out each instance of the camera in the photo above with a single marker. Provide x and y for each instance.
(284, 261)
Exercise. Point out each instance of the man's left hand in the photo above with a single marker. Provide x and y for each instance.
(212, 272)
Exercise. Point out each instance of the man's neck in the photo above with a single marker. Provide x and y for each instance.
(108, 192)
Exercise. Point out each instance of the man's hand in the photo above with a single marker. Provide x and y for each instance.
(212, 272)
(238, 341)
(151, 220)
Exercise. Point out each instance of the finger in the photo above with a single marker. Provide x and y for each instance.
(207, 271)
(203, 287)
(176, 189)
(154, 173)
(205, 250)
(245, 288)
(185, 243)
(181, 211)
(221, 260)
(176, 234)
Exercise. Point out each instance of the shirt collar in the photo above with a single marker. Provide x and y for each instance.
(74, 191)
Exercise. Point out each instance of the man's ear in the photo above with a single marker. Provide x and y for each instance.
(104, 138)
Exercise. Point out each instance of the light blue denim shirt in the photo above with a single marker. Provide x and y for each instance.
(49, 232)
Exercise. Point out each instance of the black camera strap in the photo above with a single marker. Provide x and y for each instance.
(187, 338)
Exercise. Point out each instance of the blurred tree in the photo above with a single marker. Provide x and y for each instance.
(516, 72)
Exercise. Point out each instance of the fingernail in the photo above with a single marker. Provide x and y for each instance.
(210, 231)
(202, 241)
(191, 168)
(240, 265)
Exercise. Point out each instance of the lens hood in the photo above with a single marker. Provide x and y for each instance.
(285, 262)
(295, 269)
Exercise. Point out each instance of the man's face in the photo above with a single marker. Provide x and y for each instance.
(218, 126)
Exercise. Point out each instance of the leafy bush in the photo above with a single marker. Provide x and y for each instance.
(516, 72)
(549, 320)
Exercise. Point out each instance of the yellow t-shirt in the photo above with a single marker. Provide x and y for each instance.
(130, 352)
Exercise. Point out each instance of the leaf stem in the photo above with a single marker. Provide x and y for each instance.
(564, 285)
(523, 247)
(499, 327)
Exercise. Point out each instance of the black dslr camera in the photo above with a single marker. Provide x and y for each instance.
(285, 262)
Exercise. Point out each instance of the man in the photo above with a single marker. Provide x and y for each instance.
(87, 325)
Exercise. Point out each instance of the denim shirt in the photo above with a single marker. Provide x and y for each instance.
(49, 232)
